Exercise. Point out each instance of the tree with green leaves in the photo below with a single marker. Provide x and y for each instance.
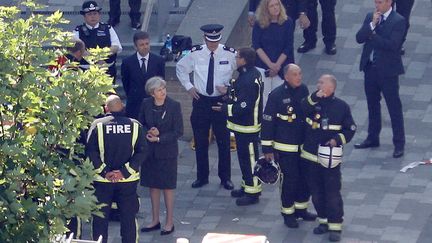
(43, 180)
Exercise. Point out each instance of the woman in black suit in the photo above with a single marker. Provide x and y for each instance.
(161, 117)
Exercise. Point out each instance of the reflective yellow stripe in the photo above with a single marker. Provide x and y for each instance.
(101, 142)
(100, 169)
(78, 234)
(310, 122)
(285, 147)
(334, 226)
(267, 142)
(243, 129)
(310, 100)
(114, 205)
(133, 177)
(134, 136)
(130, 169)
(300, 205)
(256, 188)
(342, 137)
(322, 220)
(289, 210)
(286, 117)
(137, 232)
(256, 108)
(309, 156)
(230, 106)
(335, 127)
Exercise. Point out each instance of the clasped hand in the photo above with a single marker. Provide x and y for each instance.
(114, 176)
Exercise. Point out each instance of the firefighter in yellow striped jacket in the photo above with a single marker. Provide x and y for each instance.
(281, 136)
(116, 146)
(329, 123)
(244, 112)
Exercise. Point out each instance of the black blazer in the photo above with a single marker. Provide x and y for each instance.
(386, 40)
(134, 80)
(170, 129)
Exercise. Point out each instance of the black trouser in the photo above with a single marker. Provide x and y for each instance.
(202, 118)
(294, 190)
(125, 194)
(74, 226)
(404, 7)
(247, 153)
(134, 13)
(374, 85)
(325, 186)
(328, 24)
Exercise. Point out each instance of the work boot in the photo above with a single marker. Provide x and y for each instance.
(290, 221)
(334, 236)
(320, 229)
(305, 215)
(237, 193)
(246, 200)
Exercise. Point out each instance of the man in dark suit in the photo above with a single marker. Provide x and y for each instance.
(383, 33)
(137, 69)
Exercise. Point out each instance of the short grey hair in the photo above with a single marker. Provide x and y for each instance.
(154, 83)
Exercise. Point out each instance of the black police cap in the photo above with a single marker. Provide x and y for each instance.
(89, 6)
(212, 32)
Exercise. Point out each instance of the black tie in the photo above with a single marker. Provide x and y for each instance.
(210, 76)
(143, 66)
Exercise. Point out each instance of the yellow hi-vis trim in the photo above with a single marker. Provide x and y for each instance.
(243, 129)
(289, 210)
(285, 147)
(101, 142)
(134, 136)
(310, 101)
(342, 137)
(335, 226)
(78, 235)
(322, 220)
(256, 188)
(136, 232)
(330, 127)
(267, 142)
(300, 205)
(255, 114)
(306, 155)
(230, 113)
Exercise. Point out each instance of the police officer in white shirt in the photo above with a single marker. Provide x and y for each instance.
(95, 33)
(213, 65)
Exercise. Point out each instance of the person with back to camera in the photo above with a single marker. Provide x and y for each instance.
(162, 119)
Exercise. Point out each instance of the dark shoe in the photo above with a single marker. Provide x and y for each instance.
(227, 184)
(148, 229)
(397, 153)
(247, 200)
(330, 49)
(167, 232)
(320, 229)
(237, 193)
(402, 51)
(113, 22)
(366, 144)
(136, 25)
(305, 215)
(334, 236)
(199, 183)
(305, 47)
(290, 221)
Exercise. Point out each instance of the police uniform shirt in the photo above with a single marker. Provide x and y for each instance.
(198, 61)
(115, 41)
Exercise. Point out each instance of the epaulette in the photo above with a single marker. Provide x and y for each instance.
(196, 48)
(230, 49)
(103, 26)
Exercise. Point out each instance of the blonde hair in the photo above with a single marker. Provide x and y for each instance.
(263, 15)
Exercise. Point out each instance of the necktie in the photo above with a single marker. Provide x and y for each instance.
(143, 66)
(210, 77)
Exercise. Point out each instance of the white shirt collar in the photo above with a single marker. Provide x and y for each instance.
(215, 51)
(140, 57)
(386, 14)
(90, 27)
